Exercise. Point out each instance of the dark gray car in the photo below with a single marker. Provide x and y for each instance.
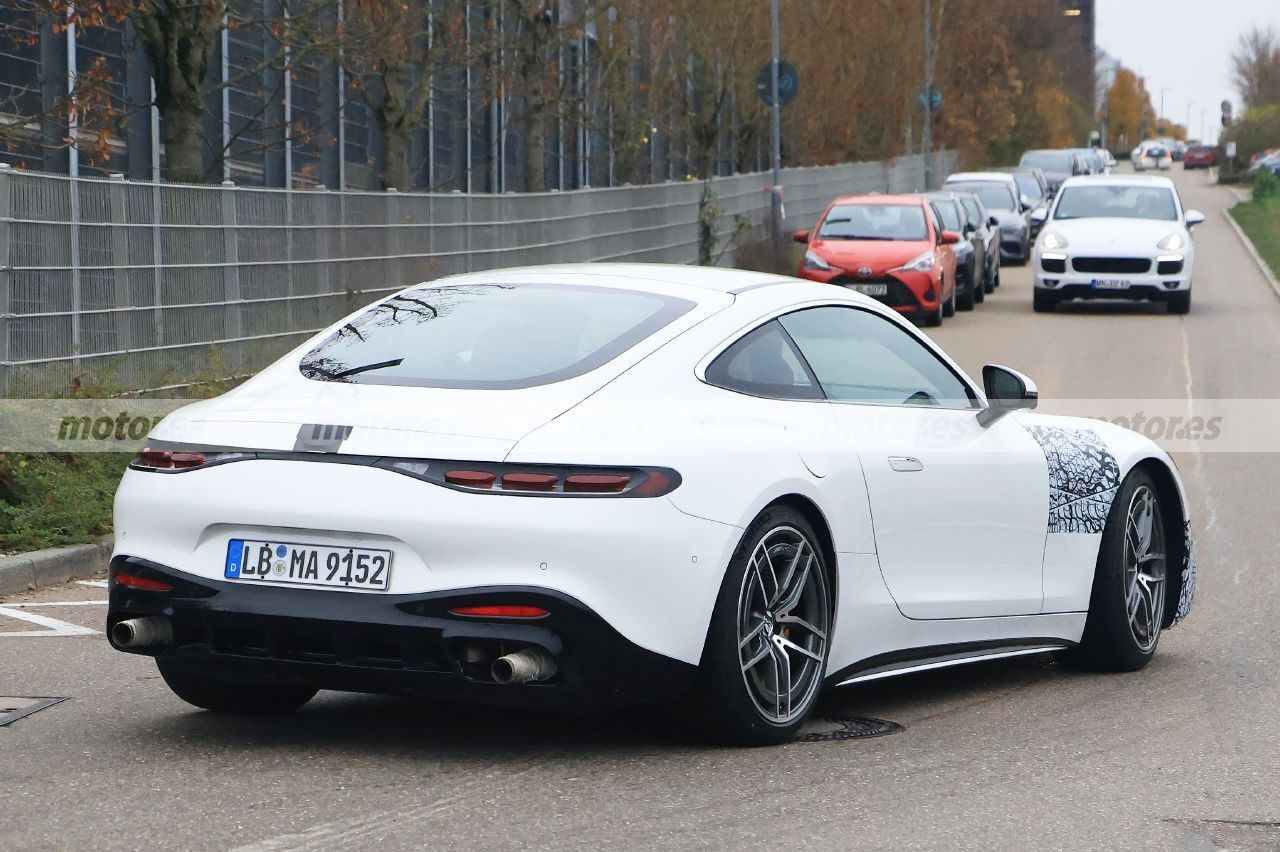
(1057, 165)
(970, 277)
(986, 228)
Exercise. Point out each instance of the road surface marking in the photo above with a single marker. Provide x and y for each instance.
(55, 627)
(27, 604)
(96, 584)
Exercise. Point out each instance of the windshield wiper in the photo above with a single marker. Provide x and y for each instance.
(353, 371)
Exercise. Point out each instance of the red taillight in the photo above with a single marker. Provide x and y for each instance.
(501, 611)
(656, 484)
(167, 460)
(529, 481)
(136, 582)
(470, 478)
(590, 483)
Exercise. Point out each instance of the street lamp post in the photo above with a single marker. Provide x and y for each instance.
(928, 95)
(775, 130)
(1162, 91)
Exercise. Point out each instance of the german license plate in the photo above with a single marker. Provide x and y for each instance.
(287, 563)
(870, 289)
(1112, 283)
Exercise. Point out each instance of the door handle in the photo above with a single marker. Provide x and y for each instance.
(905, 464)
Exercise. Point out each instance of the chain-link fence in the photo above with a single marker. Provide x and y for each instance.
(143, 285)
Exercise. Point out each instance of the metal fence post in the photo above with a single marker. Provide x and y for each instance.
(123, 325)
(77, 302)
(231, 271)
(6, 278)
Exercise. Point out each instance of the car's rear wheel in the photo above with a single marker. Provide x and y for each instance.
(1044, 303)
(966, 300)
(1179, 303)
(1126, 609)
(197, 686)
(766, 650)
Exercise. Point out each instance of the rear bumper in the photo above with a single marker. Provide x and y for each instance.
(394, 644)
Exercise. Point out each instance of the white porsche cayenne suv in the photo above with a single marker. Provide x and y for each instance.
(585, 486)
(1115, 237)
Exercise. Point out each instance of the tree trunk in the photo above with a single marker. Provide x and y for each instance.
(535, 135)
(183, 151)
(395, 157)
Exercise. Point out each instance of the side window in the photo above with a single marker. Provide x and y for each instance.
(764, 363)
(860, 357)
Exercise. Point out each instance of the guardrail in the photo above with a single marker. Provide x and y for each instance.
(154, 284)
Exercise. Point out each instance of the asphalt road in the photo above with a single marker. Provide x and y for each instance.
(1017, 755)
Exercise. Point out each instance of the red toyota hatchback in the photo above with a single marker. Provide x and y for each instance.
(890, 247)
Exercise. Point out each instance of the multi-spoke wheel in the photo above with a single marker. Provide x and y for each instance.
(766, 649)
(1127, 610)
(783, 622)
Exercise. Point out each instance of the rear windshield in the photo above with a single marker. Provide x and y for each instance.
(995, 196)
(1050, 161)
(492, 336)
(1117, 202)
(874, 222)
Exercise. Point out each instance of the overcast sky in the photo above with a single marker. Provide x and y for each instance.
(1185, 45)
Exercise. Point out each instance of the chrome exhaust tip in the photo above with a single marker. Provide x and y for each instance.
(142, 632)
(524, 666)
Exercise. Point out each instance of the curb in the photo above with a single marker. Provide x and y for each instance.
(43, 568)
(1253, 252)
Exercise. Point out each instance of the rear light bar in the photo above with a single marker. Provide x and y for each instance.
(173, 461)
(539, 480)
(135, 582)
(503, 611)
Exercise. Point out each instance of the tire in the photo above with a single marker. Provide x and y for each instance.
(1179, 303)
(195, 686)
(1126, 612)
(738, 696)
(934, 318)
(1044, 303)
(994, 281)
(969, 299)
(949, 309)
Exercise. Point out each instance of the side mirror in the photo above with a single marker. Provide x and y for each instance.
(1007, 390)
(950, 238)
(1026, 202)
(993, 222)
(800, 236)
(1040, 215)
(1194, 217)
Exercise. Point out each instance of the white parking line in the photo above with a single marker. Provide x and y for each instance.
(26, 604)
(96, 584)
(55, 626)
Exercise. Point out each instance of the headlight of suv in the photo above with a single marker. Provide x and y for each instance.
(1054, 241)
(1173, 242)
(923, 263)
(813, 261)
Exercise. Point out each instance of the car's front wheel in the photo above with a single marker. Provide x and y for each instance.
(196, 686)
(1180, 303)
(1044, 303)
(766, 649)
(1127, 606)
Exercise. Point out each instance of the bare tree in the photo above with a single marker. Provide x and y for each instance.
(1256, 66)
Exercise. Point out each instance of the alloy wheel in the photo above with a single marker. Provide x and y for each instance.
(1145, 568)
(784, 620)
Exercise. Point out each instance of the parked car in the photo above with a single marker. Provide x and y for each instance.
(1116, 238)
(1200, 157)
(498, 512)
(987, 228)
(1056, 165)
(1097, 163)
(1033, 184)
(1002, 197)
(891, 247)
(968, 251)
(1264, 154)
(1267, 160)
(1151, 155)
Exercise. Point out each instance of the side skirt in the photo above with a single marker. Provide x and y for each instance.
(940, 657)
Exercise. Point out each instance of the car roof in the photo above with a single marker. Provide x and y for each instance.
(1118, 180)
(981, 177)
(648, 277)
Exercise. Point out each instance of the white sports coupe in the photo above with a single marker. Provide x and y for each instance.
(594, 485)
(1115, 238)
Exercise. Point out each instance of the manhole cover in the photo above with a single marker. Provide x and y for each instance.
(824, 728)
(13, 708)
